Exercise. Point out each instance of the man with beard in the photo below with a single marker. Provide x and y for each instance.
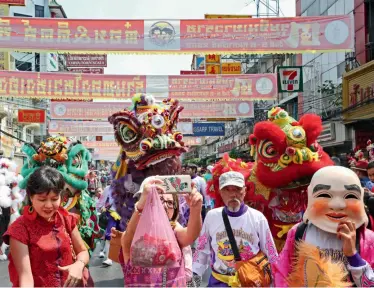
(250, 231)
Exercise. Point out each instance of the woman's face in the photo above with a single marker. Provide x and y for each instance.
(46, 204)
(168, 202)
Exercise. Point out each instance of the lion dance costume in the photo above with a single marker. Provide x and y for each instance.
(10, 198)
(71, 160)
(286, 156)
(150, 145)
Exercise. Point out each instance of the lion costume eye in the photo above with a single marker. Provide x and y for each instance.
(267, 149)
(158, 121)
(127, 134)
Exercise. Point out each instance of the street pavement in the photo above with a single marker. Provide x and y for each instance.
(102, 276)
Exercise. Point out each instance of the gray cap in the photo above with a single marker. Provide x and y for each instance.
(231, 178)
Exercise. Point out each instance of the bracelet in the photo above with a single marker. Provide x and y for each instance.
(137, 210)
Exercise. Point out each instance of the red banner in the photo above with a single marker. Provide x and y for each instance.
(84, 128)
(86, 60)
(192, 72)
(100, 144)
(71, 86)
(31, 116)
(206, 36)
(87, 70)
(102, 110)
(13, 2)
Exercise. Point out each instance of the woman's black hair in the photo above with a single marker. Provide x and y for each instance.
(370, 165)
(45, 179)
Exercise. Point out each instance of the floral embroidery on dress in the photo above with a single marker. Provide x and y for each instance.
(201, 242)
(269, 246)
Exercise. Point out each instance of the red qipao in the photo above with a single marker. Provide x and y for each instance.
(49, 246)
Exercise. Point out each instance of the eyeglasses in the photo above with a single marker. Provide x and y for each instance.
(169, 203)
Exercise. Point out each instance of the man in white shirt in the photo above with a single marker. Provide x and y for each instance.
(250, 228)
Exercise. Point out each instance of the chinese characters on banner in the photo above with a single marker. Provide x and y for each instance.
(102, 110)
(31, 116)
(257, 35)
(246, 87)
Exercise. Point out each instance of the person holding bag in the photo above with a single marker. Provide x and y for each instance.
(46, 249)
(165, 258)
(238, 240)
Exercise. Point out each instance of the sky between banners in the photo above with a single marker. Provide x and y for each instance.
(73, 86)
(206, 36)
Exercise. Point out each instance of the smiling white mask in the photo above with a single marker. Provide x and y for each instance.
(335, 195)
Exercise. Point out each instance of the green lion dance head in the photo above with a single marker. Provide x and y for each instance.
(69, 158)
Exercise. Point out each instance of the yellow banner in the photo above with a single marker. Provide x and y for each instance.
(231, 68)
(223, 16)
(212, 68)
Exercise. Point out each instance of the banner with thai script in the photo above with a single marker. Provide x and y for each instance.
(86, 60)
(208, 129)
(231, 68)
(31, 116)
(192, 72)
(205, 36)
(84, 128)
(87, 70)
(13, 2)
(71, 86)
(102, 110)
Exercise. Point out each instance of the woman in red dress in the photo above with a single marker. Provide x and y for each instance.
(46, 249)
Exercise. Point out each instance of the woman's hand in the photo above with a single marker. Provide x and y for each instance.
(115, 233)
(148, 183)
(75, 271)
(194, 200)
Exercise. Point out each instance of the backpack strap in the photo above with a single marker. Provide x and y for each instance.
(230, 235)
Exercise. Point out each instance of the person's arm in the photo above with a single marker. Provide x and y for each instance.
(75, 270)
(128, 235)
(186, 236)
(21, 259)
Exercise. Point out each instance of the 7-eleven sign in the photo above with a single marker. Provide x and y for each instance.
(290, 79)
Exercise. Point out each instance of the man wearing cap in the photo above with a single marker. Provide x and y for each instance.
(249, 228)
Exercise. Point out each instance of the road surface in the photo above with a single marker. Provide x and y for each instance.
(102, 276)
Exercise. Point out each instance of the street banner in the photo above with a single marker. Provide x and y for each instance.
(193, 141)
(87, 70)
(231, 68)
(230, 16)
(83, 128)
(192, 72)
(290, 79)
(100, 144)
(205, 36)
(72, 86)
(102, 110)
(208, 129)
(86, 60)
(31, 116)
(13, 2)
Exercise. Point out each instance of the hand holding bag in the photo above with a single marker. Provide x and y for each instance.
(255, 272)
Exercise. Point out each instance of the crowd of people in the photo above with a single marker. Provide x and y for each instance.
(164, 239)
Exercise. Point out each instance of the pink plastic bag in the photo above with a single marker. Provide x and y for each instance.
(154, 243)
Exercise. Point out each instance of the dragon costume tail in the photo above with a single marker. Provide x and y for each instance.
(310, 269)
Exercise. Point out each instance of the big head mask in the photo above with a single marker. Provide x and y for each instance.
(335, 195)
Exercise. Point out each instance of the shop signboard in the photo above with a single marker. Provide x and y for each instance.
(208, 129)
(86, 60)
(31, 116)
(87, 70)
(13, 2)
(290, 79)
(231, 68)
